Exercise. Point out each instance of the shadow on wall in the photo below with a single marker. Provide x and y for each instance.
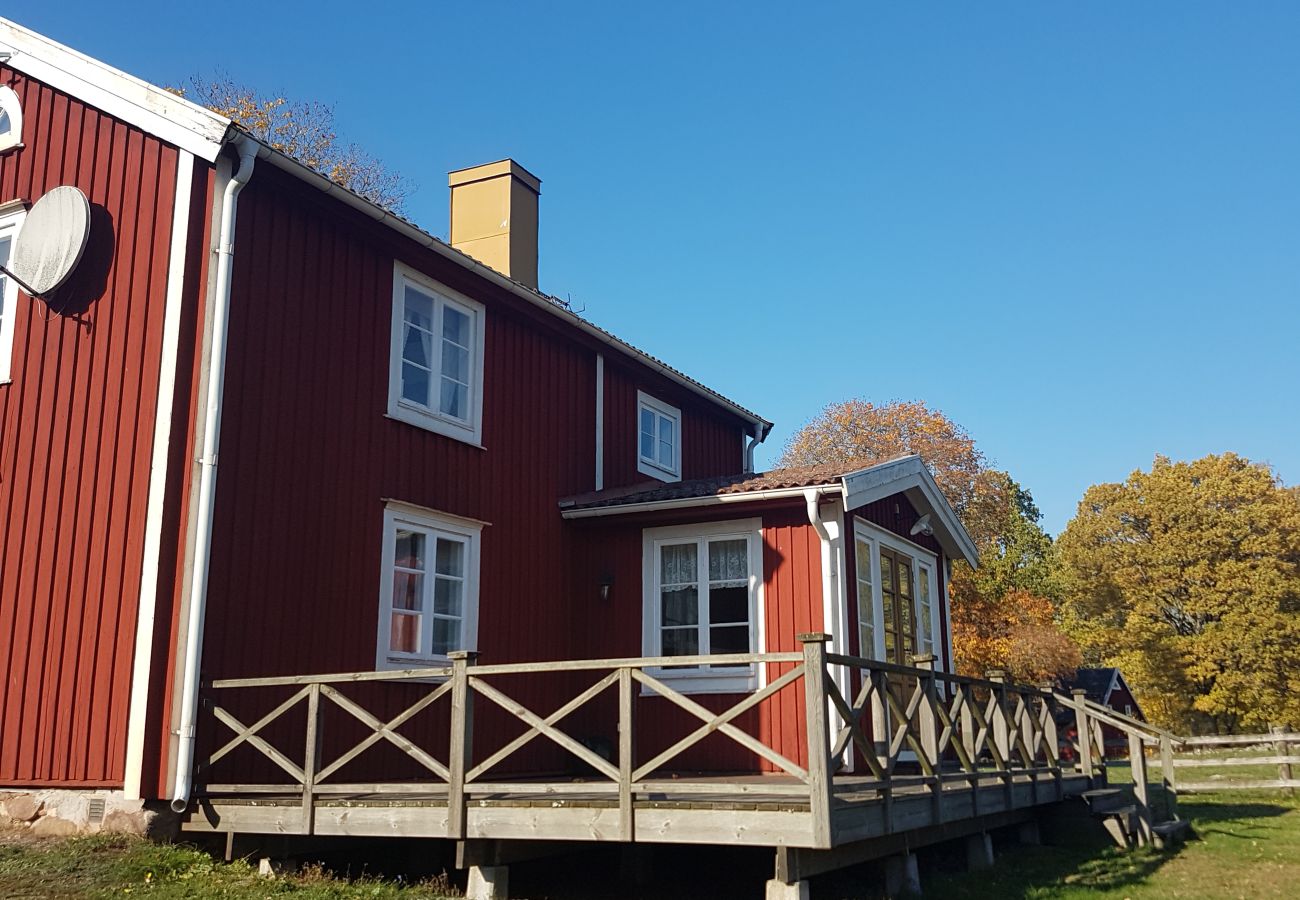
(89, 281)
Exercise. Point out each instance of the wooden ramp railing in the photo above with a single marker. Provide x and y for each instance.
(985, 734)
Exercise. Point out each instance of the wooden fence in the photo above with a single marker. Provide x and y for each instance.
(909, 727)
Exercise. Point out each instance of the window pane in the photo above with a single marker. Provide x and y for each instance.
(729, 561)
(417, 346)
(5, 123)
(404, 634)
(681, 642)
(680, 606)
(446, 636)
(862, 559)
(408, 590)
(728, 605)
(665, 441)
(454, 399)
(455, 363)
(886, 571)
(677, 564)
(731, 639)
(449, 558)
(866, 641)
(409, 549)
(455, 326)
(647, 433)
(904, 579)
(447, 594)
(415, 384)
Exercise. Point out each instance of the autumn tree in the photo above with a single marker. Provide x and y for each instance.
(304, 130)
(1000, 515)
(1187, 577)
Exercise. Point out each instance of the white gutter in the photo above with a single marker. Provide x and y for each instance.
(424, 239)
(248, 152)
(138, 714)
(626, 509)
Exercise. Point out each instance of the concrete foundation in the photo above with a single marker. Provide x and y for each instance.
(66, 812)
(779, 890)
(488, 883)
(902, 875)
(979, 851)
(1028, 834)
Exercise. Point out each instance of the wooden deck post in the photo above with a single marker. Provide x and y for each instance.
(626, 707)
(1137, 760)
(819, 737)
(1283, 749)
(1084, 729)
(1168, 775)
(1001, 736)
(462, 737)
(310, 758)
(928, 721)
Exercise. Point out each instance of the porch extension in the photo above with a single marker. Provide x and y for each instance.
(934, 756)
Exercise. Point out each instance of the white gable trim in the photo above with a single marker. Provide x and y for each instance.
(152, 109)
(908, 475)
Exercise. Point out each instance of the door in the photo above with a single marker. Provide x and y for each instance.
(896, 592)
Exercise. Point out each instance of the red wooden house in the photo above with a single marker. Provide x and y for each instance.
(1107, 687)
(271, 429)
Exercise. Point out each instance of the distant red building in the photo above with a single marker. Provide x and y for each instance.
(1107, 687)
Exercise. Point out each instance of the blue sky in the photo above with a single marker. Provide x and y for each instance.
(1075, 228)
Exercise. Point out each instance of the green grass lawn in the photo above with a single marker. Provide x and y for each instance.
(124, 868)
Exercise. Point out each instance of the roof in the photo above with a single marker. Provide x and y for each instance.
(1096, 683)
(857, 482)
(200, 131)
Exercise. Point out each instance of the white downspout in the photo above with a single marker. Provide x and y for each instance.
(208, 474)
(830, 600)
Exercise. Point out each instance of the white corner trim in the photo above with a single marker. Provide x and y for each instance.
(141, 671)
(161, 113)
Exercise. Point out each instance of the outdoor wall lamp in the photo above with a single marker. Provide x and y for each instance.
(606, 584)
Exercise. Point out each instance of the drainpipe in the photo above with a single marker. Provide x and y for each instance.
(208, 474)
(756, 437)
(812, 496)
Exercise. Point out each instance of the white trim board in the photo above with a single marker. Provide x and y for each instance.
(150, 108)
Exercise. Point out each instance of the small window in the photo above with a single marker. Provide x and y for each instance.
(436, 373)
(862, 556)
(924, 611)
(9, 225)
(702, 586)
(659, 439)
(11, 119)
(429, 594)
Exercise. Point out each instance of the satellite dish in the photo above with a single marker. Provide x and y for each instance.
(51, 241)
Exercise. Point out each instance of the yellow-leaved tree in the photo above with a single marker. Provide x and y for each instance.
(1187, 577)
(1003, 614)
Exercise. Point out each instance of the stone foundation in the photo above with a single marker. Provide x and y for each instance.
(58, 813)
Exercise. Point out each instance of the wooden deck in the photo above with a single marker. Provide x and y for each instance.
(931, 748)
(741, 810)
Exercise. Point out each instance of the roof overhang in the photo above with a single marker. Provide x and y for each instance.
(148, 107)
(910, 476)
(628, 509)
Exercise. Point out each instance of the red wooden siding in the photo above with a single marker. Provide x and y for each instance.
(76, 430)
(308, 457)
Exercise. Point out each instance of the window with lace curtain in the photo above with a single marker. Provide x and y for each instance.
(436, 359)
(702, 593)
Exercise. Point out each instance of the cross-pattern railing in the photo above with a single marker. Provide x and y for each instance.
(903, 726)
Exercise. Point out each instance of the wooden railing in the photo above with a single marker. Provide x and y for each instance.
(908, 726)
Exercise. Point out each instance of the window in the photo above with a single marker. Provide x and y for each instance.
(863, 552)
(659, 438)
(702, 597)
(11, 119)
(436, 373)
(897, 592)
(9, 224)
(429, 593)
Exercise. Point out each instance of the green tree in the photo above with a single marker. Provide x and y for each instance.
(1188, 578)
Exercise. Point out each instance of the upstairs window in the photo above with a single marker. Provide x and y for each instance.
(9, 224)
(436, 365)
(11, 119)
(659, 438)
(429, 595)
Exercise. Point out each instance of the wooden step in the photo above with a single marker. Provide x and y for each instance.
(1103, 800)
(1171, 834)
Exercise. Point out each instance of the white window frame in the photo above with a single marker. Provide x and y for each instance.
(470, 429)
(11, 222)
(702, 679)
(922, 560)
(434, 524)
(10, 103)
(653, 467)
